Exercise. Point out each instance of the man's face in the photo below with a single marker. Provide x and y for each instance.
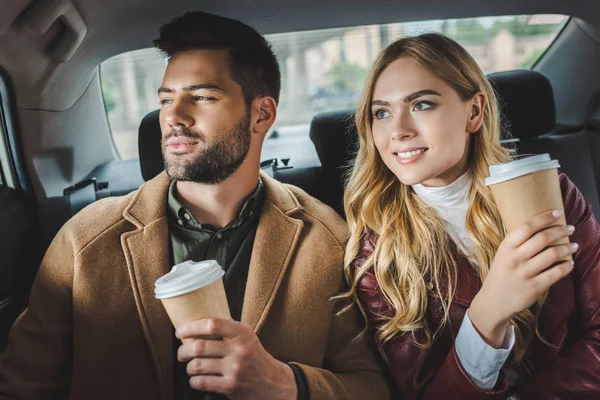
(204, 120)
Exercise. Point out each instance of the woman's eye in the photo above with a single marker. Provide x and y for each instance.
(422, 105)
(380, 114)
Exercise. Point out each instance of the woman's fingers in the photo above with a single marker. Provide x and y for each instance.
(546, 258)
(552, 275)
(535, 224)
(542, 240)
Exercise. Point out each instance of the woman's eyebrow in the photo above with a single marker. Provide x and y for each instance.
(379, 103)
(420, 93)
(408, 98)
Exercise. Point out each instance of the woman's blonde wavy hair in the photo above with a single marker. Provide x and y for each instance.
(412, 246)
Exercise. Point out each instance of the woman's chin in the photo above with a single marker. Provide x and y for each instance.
(409, 180)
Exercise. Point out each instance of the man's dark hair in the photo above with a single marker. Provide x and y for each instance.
(253, 64)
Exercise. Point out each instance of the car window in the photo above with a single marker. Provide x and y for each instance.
(325, 70)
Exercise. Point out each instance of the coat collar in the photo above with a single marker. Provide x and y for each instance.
(146, 250)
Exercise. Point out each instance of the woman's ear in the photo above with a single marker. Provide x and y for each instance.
(477, 110)
(263, 115)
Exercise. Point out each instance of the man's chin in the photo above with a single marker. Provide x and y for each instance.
(183, 173)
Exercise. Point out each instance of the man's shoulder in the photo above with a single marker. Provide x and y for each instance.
(315, 210)
(97, 218)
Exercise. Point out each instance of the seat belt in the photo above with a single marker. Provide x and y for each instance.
(271, 166)
(268, 167)
(83, 194)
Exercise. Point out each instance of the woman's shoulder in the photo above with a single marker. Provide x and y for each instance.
(575, 203)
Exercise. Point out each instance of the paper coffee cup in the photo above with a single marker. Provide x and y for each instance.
(192, 291)
(526, 187)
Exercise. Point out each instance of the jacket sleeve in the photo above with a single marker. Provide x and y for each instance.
(575, 372)
(351, 370)
(36, 363)
(432, 373)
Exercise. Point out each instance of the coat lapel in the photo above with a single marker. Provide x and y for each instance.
(276, 239)
(147, 253)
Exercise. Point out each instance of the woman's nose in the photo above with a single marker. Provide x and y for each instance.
(404, 129)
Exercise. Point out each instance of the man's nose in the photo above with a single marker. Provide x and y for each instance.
(178, 115)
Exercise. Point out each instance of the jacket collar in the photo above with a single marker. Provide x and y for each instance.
(146, 250)
(150, 202)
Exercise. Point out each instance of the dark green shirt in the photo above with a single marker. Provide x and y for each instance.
(230, 246)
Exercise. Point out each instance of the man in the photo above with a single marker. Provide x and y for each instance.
(94, 329)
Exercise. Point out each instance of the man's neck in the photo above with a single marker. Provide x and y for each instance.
(218, 204)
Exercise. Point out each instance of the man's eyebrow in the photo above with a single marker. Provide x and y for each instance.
(192, 88)
(209, 86)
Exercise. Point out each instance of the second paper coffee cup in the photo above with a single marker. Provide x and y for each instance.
(526, 187)
(192, 291)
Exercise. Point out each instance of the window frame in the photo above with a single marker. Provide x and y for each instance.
(12, 160)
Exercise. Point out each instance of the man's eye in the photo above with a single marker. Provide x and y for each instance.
(380, 114)
(423, 105)
(165, 101)
(203, 98)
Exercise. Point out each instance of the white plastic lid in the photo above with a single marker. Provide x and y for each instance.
(187, 277)
(506, 171)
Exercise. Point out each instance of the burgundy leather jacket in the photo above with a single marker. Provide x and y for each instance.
(570, 321)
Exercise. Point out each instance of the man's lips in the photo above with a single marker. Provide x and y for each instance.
(180, 143)
(178, 140)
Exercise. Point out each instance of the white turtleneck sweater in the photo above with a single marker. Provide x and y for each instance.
(451, 202)
(481, 361)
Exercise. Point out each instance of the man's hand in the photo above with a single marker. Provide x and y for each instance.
(237, 366)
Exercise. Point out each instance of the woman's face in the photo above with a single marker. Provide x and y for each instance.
(421, 127)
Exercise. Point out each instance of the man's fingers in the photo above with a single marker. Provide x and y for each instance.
(532, 226)
(202, 348)
(214, 384)
(205, 366)
(210, 327)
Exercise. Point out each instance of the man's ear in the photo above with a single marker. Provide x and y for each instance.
(476, 115)
(263, 115)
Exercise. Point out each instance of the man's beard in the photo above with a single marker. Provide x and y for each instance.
(216, 162)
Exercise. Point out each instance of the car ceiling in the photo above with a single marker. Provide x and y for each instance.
(116, 26)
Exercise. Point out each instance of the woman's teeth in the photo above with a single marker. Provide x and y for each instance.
(410, 154)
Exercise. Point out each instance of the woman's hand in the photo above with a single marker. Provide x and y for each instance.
(520, 274)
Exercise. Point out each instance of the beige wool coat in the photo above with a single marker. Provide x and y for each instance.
(94, 329)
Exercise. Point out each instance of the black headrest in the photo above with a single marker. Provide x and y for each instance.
(335, 137)
(526, 101)
(149, 137)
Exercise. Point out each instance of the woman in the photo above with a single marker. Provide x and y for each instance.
(460, 309)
